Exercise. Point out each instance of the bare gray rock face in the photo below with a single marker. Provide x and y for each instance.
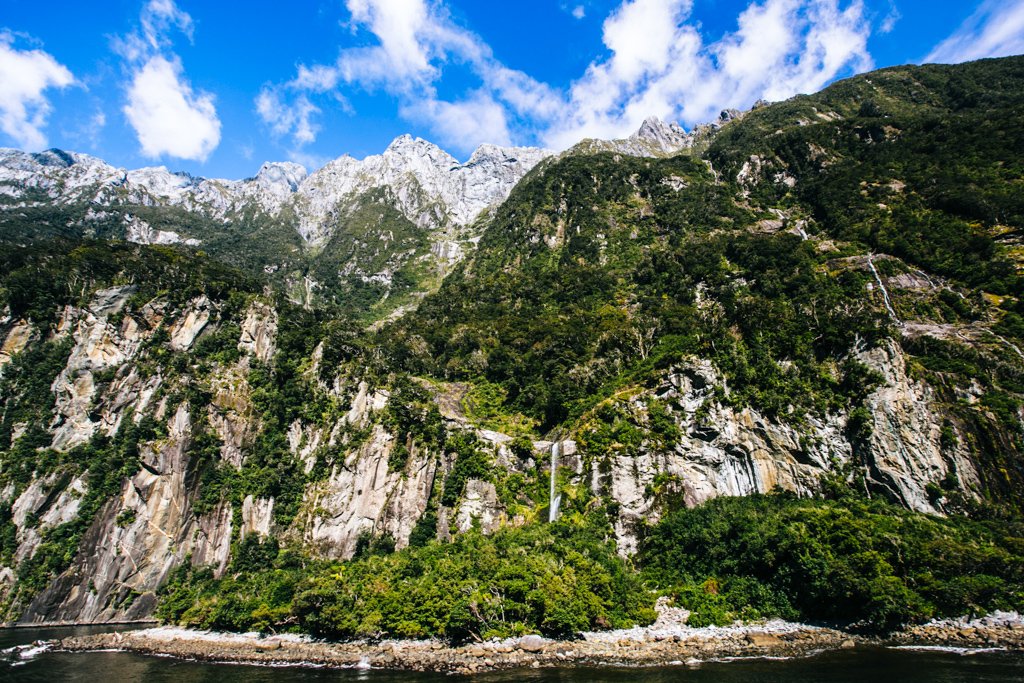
(363, 497)
(723, 451)
(665, 137)
(137, 539)
(654, 138)
(19, 333)
(906, 436)
(426, 184)
(259, 332)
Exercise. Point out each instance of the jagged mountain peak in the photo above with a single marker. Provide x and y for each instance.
(281, 177)
(52, 159)
(428, 185)
(405, 148)
(654, 138)
(491, 152)
(653, 127)
(55, 157)
(663, 136)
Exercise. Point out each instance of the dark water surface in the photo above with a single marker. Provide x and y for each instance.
(875, 665)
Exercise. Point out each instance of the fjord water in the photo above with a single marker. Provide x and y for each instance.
(878, 665)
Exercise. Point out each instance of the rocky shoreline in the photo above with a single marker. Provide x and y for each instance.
(652, 646)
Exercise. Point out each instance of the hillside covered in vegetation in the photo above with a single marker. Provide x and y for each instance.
(781, 373)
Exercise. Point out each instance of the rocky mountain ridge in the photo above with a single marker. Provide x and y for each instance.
(404, 213)
(427, 185)
(430, 187)
(373, 235)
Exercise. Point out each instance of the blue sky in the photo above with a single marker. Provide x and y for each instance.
(215, 88)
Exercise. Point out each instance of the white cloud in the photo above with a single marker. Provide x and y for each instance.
(86, 133)
(168, 117)
(891, 19)
(658, 63)
(316, 78)
(579, 11)
(402, 56)
(284, 118)
(24, 76)
(996, 29)
(156, 20)
(415, 40)
(478, 118)
(641, 35)
(521, 93)
(158, 17)
(661, 65)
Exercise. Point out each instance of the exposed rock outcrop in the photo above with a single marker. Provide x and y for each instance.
(362, 496)
(99, 345)
(137, 539)
(479, 507)
(723, 451)
(185, 330)
(18, 337)
(257, 516)
(905, 451)
(259, 332)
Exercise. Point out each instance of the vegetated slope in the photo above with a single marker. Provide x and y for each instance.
(839, 561)
(159, 411)
(923, 163)
(778, 263)
(176, 437)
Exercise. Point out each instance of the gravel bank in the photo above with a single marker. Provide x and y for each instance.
(660, 644)
(631, 648)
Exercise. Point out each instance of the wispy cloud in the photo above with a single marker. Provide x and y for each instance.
(169, 117)
(293, 117)
(996, 29)
(657, 62)
(478, 117)
(891, 18)
(24, 77)
(415, 41)
(85, 133)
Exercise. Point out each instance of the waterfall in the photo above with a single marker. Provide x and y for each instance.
(885, 294)
(929, 280)
(1011, 345)
(554, 498)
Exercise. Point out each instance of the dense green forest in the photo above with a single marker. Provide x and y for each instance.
(852, 562)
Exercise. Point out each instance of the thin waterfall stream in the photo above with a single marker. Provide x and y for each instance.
(554, 499)
(885, 293)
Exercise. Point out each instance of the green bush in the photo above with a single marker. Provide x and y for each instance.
(865, 563)
(556, 580)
